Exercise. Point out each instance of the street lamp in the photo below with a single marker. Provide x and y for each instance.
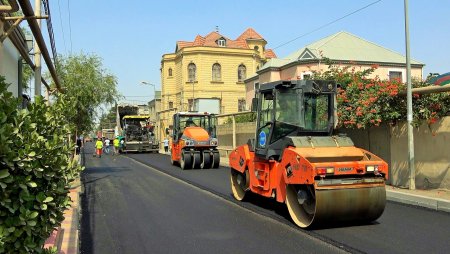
(154, 105)
(150, 84)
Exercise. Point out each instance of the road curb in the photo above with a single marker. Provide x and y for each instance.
(437, 204)
(416, 200)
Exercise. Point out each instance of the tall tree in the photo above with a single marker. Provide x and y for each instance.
(87, 85)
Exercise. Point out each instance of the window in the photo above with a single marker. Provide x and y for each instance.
(306, 75)
(256, 48)
(216, 69)
(190, 105)
(170, 104)
(192, 69)
(265, 106)
(242, 73)
(395, 75)
(170, 72)
(221, 42)
(241, 105)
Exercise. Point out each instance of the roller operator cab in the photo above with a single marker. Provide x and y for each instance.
(296, 159)
(194, 141)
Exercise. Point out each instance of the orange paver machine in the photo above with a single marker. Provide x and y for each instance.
(296, 158)
(194, 142)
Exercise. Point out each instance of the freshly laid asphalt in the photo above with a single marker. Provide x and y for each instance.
(128, 207)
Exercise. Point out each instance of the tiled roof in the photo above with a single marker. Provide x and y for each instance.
(199, 40)
(270, 54)
(348, 47)
(250, 33)
(342, 46)
(210, 40)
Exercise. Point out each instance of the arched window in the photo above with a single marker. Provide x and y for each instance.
(242, 73)
(256, 48)
(192, 69)
(216, 69)
(170, 72)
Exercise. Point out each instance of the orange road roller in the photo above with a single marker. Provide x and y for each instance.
(295, 158)
(194, 141)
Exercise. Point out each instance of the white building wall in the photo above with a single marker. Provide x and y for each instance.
(9, 68)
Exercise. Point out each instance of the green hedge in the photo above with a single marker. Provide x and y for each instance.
(36, 169)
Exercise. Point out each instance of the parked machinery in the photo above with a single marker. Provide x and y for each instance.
(297, 160)
(194, 142)
(136, 128)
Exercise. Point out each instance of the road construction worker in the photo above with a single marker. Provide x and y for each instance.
(99, 147)
(116, 144)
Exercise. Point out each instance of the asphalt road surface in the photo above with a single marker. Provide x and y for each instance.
(140, 203)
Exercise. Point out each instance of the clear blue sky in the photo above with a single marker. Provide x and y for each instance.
(131, 36)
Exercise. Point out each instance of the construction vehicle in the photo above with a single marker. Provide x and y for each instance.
(194, 142)
(136, 128)
(296, 159)
(108, 134)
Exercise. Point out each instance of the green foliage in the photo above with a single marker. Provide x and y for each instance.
(35, 172)
(108, 119)
(87, 85)
(51, 250)
(429, 107)
(27, 73)
(245, 118)
(364, 102)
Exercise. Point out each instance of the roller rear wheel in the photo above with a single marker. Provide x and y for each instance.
(206, 160)
(239, 184)
(216, 159)
(308, 205)
(196, 160)
(186, 160)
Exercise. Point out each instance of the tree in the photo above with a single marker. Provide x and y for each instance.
(87, 86)
(108, 119)
(364, 102)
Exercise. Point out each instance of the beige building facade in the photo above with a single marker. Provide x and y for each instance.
(210, 69)
(342, 48)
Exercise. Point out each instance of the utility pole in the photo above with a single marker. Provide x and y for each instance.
(412, 170)
(37, 53)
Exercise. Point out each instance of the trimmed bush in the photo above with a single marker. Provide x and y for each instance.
(36, 169)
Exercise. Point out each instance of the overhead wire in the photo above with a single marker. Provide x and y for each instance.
(327, 24)
(62, 27)
(50, 29)
(70, 26)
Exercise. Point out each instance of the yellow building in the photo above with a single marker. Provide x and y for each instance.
(208, 74)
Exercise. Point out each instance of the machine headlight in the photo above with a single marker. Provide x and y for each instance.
(325, 171)
(372, 168)
(214, 142)
(189, 142)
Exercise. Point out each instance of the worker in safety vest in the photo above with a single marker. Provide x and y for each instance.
(99, 147)
(116, 144)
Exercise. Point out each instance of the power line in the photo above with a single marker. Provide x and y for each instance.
(50, 29)
(62, 27)
(327, 24)
(70, 26)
